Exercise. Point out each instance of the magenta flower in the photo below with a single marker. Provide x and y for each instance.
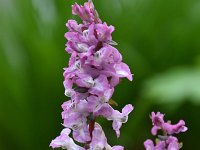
(172, 143)
(104, 32)
(95, 68)
(64, 141)
(87, 12)
(166, 141)
(118, 118)
(159, 124)
(149, 145)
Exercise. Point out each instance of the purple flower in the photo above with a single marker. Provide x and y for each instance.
(69, 92)
(65, 141)
(95, 68)
(123, 70)
(72, 25)
(106, 54)
(172, 143)
(117, 148)
(104, 32)
(100, 86)
(177, 128)
(165, 141)
(149, 145)
(76, 121)
(99, 140)
(85, 80)
(81, 133)
(118, 118)
(159, 124)
(87, 12)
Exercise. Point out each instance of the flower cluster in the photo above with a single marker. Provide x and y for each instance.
(166, 141)
(95, 68)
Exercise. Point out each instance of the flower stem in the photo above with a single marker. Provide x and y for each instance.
(91, 128)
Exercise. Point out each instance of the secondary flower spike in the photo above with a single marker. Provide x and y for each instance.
(167, 141)
(95, 68)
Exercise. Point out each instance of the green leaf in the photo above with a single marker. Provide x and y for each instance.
(112, 102)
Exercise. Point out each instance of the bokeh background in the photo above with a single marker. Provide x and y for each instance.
(159, 40)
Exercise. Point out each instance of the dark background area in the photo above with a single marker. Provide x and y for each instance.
(159, 40)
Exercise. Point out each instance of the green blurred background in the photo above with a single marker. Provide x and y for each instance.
(159, 40)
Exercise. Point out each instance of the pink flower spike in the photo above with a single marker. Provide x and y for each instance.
(165, 141)
(95, 67)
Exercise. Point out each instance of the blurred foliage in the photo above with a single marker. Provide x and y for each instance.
(174, 86)
(158, 39)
